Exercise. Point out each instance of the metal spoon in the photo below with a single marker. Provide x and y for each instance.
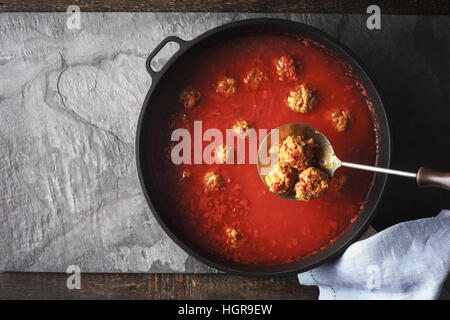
(329, 162)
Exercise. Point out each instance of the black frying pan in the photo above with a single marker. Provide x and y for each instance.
(151, 118)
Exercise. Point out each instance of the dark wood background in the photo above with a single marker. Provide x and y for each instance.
(185, 286)
(431, 7)
(152, 286)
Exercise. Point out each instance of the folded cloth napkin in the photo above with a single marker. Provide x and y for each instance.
(410, 260)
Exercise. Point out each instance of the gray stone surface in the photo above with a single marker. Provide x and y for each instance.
(69, 103)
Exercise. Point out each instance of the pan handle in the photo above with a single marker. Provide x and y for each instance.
(158, 48)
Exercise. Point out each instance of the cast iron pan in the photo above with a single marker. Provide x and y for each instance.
(152, 117)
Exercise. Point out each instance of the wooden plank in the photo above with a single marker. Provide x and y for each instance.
(152, 286)
(434, 7)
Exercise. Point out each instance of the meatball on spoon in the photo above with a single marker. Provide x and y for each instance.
(327, 160)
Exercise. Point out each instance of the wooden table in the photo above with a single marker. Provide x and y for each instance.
(152, 286)
(184, 286)
(431, 7)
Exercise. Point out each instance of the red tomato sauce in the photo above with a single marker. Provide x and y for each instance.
(272, 230)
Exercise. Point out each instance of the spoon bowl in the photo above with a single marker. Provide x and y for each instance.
(268, 150)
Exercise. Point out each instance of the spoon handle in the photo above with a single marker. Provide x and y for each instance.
(427, 177)
(377, 169)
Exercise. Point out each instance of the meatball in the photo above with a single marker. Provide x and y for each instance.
(297, 152)
(281, 179)
(302, 99)
(190, 97)
(287, 68)
(233, 237)
(341, 119)
(213, 181)
(241, 128)
(224, 153)
(254, 78)
(312, 183)
(226, 86)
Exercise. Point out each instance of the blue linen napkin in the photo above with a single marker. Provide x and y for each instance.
(410, 260)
